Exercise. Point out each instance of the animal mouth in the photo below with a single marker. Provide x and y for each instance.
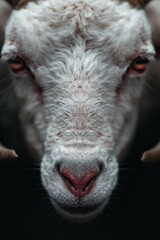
(79, 214)
(79, 210)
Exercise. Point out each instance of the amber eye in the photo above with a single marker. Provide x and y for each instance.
(17, 64)
(139, 65)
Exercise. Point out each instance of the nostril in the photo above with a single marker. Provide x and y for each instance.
(69, 178)
(88, 180)
(79, 187)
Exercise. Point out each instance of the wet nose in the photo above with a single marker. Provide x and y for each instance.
(79, 187)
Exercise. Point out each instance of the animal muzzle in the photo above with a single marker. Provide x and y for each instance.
(79, 182)
(79, 187)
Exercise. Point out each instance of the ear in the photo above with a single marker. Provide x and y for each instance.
(153, 13)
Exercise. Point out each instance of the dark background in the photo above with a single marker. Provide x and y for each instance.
(26, 212)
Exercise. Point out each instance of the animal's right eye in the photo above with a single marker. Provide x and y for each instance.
(17, 64)
(139, 65)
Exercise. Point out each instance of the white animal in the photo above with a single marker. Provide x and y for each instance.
(78, 68)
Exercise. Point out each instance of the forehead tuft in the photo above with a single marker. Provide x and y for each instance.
(77, 15)
(39, 24)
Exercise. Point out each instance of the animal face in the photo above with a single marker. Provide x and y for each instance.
(78, 69)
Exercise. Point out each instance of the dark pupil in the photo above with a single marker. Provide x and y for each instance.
(141, 61)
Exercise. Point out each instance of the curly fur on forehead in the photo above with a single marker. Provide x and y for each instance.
(95, 21)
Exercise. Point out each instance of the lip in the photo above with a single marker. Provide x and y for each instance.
(75, 209)
(79, 214)
(79, 210)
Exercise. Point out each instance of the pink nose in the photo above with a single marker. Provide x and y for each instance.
(79, 187)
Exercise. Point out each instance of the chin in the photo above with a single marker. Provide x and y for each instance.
(79, 214)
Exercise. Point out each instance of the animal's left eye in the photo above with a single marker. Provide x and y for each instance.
(139, 65)
(17, 64)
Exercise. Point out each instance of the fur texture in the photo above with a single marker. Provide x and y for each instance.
(78, 100)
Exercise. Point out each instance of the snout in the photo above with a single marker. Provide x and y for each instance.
(79, 183)
(79, 186)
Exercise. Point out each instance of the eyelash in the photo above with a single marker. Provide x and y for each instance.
(138, 65)
(17, 64)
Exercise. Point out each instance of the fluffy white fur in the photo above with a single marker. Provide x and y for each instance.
(78, 53)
